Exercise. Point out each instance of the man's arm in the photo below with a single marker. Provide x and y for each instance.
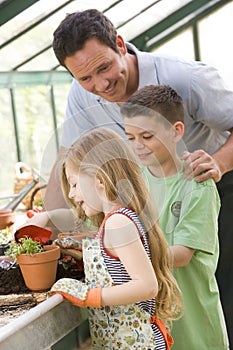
(210, 166)
(54, 198)
(213, 109)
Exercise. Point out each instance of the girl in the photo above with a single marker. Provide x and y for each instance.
(126, 264)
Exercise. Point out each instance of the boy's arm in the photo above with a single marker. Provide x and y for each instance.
(197, 227)
(181, 255)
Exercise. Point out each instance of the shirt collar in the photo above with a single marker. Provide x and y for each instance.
(146, 66)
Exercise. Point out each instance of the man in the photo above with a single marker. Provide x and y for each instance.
(107, 71)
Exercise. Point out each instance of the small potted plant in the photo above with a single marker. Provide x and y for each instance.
(37, 263)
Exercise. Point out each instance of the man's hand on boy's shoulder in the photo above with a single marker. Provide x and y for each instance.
(201, 165)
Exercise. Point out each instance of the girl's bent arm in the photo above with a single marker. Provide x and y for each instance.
(122, 240)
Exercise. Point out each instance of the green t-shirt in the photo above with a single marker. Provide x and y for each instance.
(188, 215)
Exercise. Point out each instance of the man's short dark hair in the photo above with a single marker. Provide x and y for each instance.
(73, 32)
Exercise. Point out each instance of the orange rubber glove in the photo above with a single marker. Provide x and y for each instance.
(93, 298)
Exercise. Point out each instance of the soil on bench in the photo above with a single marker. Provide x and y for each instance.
(16, 298)
(11, 281)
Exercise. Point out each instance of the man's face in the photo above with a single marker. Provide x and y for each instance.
(101, 70)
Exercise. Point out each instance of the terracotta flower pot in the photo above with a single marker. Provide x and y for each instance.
(7, 219)
(39, 269)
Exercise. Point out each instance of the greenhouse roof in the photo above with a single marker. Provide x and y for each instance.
(27, 27)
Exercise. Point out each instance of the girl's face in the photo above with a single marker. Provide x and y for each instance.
(85, 190)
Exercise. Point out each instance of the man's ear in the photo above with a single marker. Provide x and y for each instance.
(121, 45)
(179, 130)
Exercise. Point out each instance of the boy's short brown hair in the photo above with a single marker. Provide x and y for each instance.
(155, 98)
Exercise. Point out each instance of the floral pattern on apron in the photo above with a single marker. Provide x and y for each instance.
(123, 327)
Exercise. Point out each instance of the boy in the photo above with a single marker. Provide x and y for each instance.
(188, 213)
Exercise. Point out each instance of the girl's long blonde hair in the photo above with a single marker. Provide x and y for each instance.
(106, 155)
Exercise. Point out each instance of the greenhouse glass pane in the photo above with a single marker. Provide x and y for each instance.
(216, 32)
(49, 155)
(181, 45)
(149, 18)
(35, 120)
(124, 10)
(8, 152)
(43, 62)
(36, 125)
(26, 18)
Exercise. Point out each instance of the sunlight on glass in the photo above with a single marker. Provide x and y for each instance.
(216, 41)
